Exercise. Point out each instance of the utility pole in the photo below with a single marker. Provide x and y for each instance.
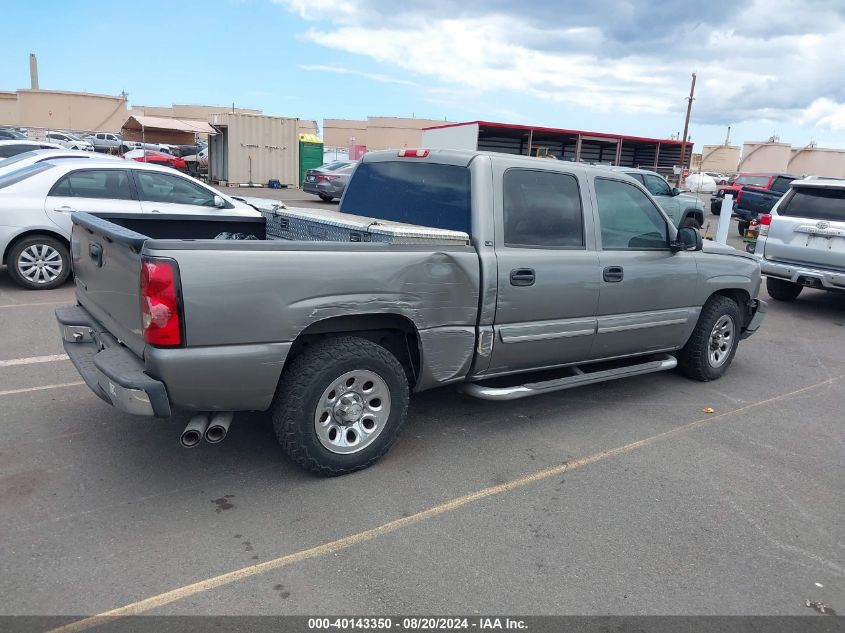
(686, 129)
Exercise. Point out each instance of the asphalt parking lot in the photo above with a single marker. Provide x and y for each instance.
(621, 498)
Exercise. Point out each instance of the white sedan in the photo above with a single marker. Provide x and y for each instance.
(37, 200)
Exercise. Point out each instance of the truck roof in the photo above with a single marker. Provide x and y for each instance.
(463, 157)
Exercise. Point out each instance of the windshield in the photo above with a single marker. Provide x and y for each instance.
(426, 194)
(335, 166)
(815, 203)
(756, 181)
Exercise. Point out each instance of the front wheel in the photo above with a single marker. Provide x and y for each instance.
(782, 290)
(711, 348)
(690, 222)
(39, 263)
(340, 405)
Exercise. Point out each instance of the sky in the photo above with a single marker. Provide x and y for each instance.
(764, 67)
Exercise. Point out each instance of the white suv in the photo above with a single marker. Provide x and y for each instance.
(802, 241)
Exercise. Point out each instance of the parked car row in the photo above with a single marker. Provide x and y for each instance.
(41, 189)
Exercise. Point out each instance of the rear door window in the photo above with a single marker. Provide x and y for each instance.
(411, 192)
(815, 203)
(109, 184)
(542, 209)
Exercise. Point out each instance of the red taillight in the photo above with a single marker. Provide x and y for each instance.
(160, 302)
(413, 153)
(320, 178)
(765, 221)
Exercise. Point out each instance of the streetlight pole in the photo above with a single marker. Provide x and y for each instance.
(686, 129)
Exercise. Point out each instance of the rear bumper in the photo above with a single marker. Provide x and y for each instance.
(804, 275)
(758, 311)
(113, 372)
(325, 188)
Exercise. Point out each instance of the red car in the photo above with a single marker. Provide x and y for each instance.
(156, 158)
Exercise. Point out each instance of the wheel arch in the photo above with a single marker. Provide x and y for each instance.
(30, 233)
(396, 333)
(695, 213)
(741, 298)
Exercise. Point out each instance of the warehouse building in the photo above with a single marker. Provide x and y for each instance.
(375, 132)
(661, 155)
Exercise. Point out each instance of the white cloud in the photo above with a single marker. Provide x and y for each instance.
(339, 70)
(756, 60)
(825, 113)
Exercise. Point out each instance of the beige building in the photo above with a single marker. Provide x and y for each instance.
(61, 109)
(376, 132)
(719, 158)
(188, 111)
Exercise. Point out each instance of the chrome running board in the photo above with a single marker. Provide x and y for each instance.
(579, 379)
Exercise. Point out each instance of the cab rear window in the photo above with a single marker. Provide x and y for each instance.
(814, 203)
(411, 192)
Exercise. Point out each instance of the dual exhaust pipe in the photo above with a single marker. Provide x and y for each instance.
(211, 427)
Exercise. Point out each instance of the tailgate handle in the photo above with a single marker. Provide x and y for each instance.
(95, 251)
(522, 277)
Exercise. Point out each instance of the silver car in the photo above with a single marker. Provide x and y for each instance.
(37, 201)
(802, 241)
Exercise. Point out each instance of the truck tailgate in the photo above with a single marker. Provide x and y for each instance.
(107, 267)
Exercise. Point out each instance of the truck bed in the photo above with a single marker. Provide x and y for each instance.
(243, 302)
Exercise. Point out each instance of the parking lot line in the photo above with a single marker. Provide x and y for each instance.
(39, 303)
(60, 385)
(32, 360)
(346, 542)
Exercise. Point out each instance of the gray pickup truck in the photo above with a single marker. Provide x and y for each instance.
(565, 268)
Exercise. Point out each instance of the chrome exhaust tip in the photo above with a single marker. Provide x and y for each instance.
(218, 428)
(194, 431)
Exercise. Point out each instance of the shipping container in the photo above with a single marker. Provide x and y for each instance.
(253, 149)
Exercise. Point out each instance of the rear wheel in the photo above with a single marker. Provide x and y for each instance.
(325, 197)
(38, 262)
(711, 348)
(741, 227)
(340, 405)
(782, 290)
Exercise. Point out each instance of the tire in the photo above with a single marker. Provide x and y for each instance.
(38, 249)
(715, 209)
(325, 198)
(307, 408)
(699, 359)
(782, 290)
(691, 222)
(741, 227)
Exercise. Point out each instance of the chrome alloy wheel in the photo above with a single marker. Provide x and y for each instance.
(721, 341)
(40, 263)
(352, 412)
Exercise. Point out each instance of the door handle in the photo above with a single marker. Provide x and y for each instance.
(64, 209)
(613, 274)
(522, 277)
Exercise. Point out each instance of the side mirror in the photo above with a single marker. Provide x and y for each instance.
(219, 202)
(689, 239)
(676, 191)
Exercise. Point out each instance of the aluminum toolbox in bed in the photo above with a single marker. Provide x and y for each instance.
(320, 225)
